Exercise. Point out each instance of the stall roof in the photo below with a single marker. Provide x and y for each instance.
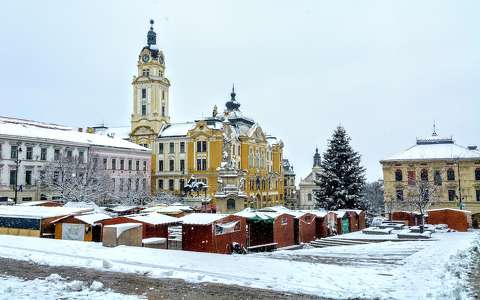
(92, 218)
(201, 218)
(122, 208)
(40, 211)
(357, 211)
(318, 213)
(155, 219)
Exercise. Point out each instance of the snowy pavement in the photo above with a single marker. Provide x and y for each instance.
(389, 270)
(55, 287)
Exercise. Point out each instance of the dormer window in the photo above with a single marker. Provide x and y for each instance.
(146, 72)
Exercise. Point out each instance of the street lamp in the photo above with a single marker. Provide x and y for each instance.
(17, 163)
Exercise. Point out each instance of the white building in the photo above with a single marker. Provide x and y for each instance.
(36, 144)
(307, 185)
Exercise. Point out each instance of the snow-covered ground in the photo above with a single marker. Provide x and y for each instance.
(55, 287)
(394, 270)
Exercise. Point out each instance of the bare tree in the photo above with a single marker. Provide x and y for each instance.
(373, 198)
(75, 179)
(421, 195)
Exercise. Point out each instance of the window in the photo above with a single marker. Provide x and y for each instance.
(437, 177)
(137, 165)
(144, 165)
(231, 204)
(451, 195)
(163, 92)
(14, 152)
(398, 175)
(160, 184)
(309, 197)
(163, 110)
(424, 175)
(137, 183)
(144, 184)
(113, 184)
(114, 164)
(477, 174)
(144, 108)
(160, 147)
(129, 184)
(170, 184)
(160, 165)
(172, 165)
(182, 184)
(122, 164)
(182, 147)
(24, 199)
(399, 194)
(201, 164)
(69, 154)
(130, 165)
(146, 72)
(122, 182)
(13, 177)
(29, 153)
(172, 147)
(1, 146)
(202, 146)
(28, 177)
(43, 154)
(56, 154)
(105, 164)
(411, 178)
(81, 156)
(144, 93)
(450, 174)
(478, 195)
(182, 165)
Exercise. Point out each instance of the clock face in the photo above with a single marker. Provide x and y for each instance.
(145, 58)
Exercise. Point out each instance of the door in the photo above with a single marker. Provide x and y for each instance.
(345, 225)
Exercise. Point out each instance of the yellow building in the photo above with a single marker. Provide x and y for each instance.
(453, 168)
(230, 153)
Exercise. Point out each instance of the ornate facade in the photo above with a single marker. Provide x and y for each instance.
(453, 168)
(239, 164)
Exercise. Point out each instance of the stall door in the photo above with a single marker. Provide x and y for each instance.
(75, 232)
(345, 225)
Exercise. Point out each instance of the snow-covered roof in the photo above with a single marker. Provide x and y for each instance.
(32, 129)
(201, 218)
(92, 218)
(122, 208)
(83, 204)
(434, 148)
(357, 211)
(177, 129)
(34, 203)
(318, 213)
(154, 219)
(40, 211)
(284, 210)
(118, 132)
(452, 209)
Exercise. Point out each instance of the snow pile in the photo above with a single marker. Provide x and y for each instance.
(121, 228)
(55, 287)
(433, 269)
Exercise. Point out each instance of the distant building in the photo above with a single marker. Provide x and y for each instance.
(289, 185)
(454, 168)
(37, 144)
(307, 185)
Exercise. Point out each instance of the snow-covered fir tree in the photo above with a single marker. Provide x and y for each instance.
(341, 179)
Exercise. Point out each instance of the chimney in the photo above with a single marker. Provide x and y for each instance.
(80, 129)
(472, 147)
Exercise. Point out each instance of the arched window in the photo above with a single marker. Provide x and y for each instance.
(398, 175)
(231, 204)
(477, 174)
(450, 174)
(424, 175)
(437, 177)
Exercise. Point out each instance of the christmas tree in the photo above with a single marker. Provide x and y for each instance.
(341, 179)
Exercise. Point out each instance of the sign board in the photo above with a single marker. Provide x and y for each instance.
(75, 232)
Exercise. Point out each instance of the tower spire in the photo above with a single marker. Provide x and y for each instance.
(151, 35)
(434, 129)
(232, 94)
(316, 158)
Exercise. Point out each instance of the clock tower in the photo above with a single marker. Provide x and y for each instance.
(150, 93)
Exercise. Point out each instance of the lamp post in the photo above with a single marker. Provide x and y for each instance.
(17, 163)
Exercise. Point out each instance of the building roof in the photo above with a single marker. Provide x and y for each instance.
(154, 219)
(92, 218)
(52, 132)
(176, 129)
(434, 148)
(201, 218)
(40, 212)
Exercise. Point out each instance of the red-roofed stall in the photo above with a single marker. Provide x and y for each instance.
(459, 220)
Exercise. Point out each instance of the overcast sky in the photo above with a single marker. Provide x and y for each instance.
(385, 70)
